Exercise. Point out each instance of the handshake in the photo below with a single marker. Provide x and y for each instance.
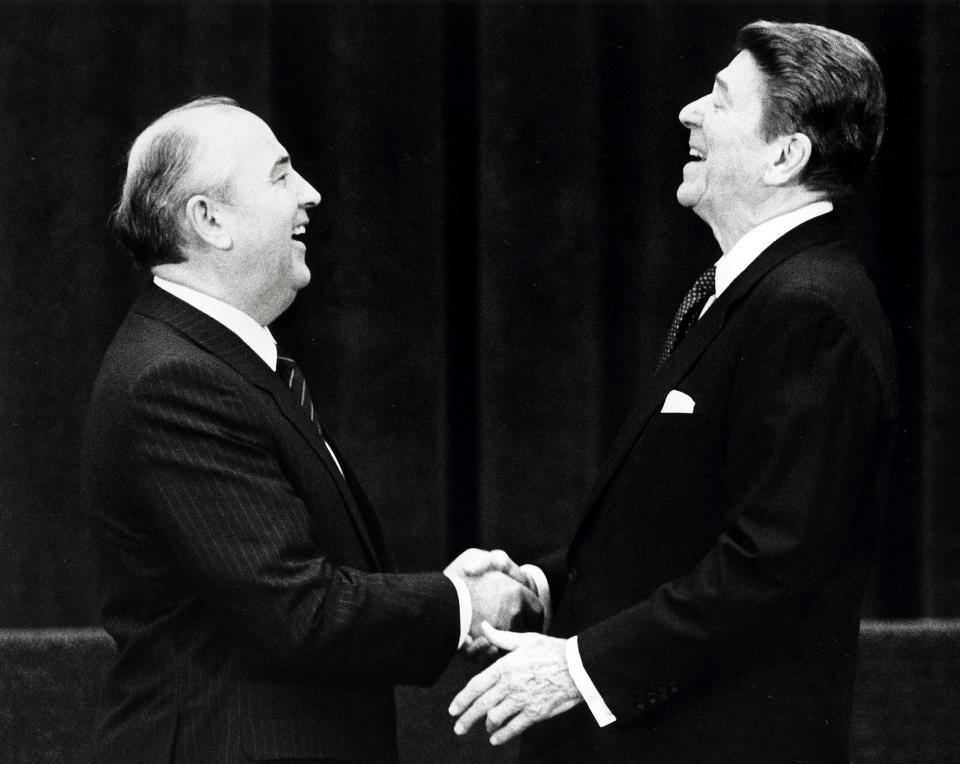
(501, 593)
(531, 682)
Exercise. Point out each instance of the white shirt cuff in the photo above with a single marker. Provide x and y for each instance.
(539, 579)
(586, 686)
(466, 606)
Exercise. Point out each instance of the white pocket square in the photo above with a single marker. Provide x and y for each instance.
(677, 403)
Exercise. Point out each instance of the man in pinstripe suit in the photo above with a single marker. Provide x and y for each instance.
(241, 566)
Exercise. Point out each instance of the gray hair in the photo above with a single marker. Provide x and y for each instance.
(165, 168)
(826, 85)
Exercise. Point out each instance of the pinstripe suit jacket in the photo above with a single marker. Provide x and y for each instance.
(240, 573)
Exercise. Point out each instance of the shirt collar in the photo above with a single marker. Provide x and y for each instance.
(258, 338)
(755, 241)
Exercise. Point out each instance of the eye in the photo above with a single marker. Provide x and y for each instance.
(281, 179)
(716, 97)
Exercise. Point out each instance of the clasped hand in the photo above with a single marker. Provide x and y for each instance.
(529, 684)
(500, 594)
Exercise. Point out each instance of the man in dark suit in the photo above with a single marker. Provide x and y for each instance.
(707, 609)
(242, 568)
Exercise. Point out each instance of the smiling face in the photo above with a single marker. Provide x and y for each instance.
(724, 181)
(264, 213)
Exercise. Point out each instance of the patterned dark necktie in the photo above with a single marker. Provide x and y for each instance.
(688, 312)
(287, 368)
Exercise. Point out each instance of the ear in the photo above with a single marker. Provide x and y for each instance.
(205, 219)
(794, 152)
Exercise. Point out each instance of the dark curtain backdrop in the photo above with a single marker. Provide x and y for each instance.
(496, 257)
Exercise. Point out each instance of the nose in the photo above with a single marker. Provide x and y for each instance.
(691, 115)
(309, 196)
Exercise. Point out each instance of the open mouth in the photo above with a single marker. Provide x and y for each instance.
(696, 155)
(299, 231)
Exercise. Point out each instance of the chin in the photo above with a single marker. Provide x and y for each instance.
(686, 198)
(301, 278)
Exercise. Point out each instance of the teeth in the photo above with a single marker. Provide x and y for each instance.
(694, 153)
(300, 229)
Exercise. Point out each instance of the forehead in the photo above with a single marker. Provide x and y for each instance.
(741, 79)
(238, 137)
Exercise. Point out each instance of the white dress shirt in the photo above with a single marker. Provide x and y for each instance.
(260, 340)
(729, 266)
(756, 240)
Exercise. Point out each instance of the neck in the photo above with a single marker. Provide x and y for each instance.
(189, 275)
(208, 280)
(728, 229)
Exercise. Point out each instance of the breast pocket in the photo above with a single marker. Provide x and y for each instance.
(677, 429)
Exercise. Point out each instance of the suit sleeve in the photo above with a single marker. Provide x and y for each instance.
(803, 415)
(554, 568)
(206, 476)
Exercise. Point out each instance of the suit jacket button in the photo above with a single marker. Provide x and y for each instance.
(572, 575)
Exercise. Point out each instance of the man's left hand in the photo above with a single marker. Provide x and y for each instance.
(528, 685)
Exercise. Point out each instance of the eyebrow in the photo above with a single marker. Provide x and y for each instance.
(283, 163)
(721, 84)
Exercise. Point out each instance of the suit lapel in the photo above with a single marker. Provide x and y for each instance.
(219, 341)
(364, 509)
(654, 389)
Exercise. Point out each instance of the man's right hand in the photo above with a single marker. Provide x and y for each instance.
(473, 562)
(496, 598)
(503, 602)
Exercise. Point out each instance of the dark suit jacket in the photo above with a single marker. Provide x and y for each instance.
(240, 572)
(716, 579)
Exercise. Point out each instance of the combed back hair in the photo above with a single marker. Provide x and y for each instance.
(826, 85)
(165, 167)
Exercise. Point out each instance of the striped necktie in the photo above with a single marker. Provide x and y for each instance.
(688, 312)
(287, 368)
(289, 371)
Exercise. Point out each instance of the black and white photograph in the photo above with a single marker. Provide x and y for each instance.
(479, 381)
